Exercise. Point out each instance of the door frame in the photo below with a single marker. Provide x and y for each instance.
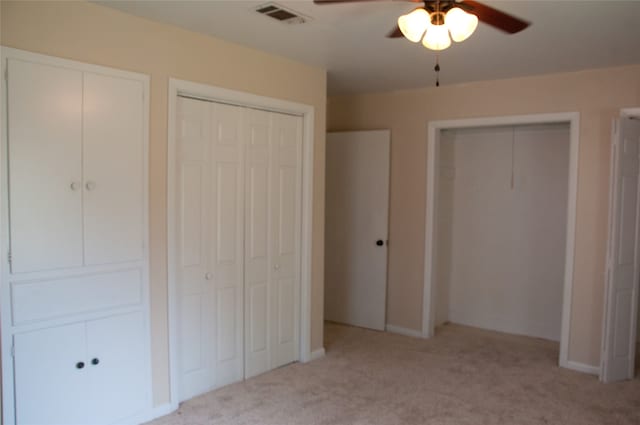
(624, 112)
(433, 132)
(238, 98)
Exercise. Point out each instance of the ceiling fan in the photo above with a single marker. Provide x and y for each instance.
(433, 22)
(437, 19)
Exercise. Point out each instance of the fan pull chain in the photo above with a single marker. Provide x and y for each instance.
(437, 69)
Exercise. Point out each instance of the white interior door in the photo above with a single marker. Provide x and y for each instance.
(622, 263)
(284, 194)
(257, 259)
(272, 223)
(226, 239)
(195, 294)
(210, 252)
(357, 211)
(45, 169)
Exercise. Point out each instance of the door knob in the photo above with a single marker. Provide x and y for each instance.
(276, 267)
(208, 276)
(95, 361)
(74, 186)
(80, 365)
(379, 242)
(90, 185)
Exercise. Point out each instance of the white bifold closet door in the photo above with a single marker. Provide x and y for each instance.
(238, 233)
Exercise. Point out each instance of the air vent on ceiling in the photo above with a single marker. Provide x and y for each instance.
(281, 14)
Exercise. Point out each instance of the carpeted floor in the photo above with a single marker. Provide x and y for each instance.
(463, 376)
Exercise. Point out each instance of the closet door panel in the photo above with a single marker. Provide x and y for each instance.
(257, 287)
(45, 172)
(49, 387)
(113, 155)
(116, 367)
(285, 195)
(226, 240)
(195, 284)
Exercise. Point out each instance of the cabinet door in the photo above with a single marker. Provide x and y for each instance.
(113, 134)
(49, 387)
(116, 367)
(45, 175)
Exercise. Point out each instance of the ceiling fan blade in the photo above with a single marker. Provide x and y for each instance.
(395, 33)
(323, 2)
(494, 17)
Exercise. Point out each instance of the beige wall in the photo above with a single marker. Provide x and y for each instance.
(99, 35)
(597, 95)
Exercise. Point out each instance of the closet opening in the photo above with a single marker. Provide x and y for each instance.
(500, 226)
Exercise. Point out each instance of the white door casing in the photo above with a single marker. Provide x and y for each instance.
(622, 273)
(432, 161)
(357, 210)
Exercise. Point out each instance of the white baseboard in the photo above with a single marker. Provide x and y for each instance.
(155, 412)
(584, 368)
(403, 331)
(317, 354)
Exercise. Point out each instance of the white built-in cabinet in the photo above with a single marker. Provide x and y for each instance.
(75, 331)
(238, 221)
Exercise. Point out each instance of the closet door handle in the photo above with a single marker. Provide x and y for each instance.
(90, 185)
(74, 186)
(80, 365)
(276, 267)
(95, 361)
(208, 276)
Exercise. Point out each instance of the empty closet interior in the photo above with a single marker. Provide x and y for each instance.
(238, 194)
(501, 228)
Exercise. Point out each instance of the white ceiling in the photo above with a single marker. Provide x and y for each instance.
(349, 39)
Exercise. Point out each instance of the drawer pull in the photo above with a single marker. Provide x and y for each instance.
(80, 365)
(95, 361)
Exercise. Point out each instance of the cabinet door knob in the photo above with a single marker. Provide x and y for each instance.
(95, 361)
(80, 365)
(379, 242)
(276, 267)
(90, 185)
(208, 276)
(74, 186)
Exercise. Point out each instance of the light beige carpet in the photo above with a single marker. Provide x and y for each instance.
(463, 376)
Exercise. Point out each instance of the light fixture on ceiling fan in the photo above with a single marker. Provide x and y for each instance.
(439, 21)
(434, 28)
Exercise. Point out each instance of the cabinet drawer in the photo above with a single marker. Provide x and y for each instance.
(41, 300)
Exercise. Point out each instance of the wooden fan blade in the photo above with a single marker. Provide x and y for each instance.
(494, 17)
(395, 33)
(323, 2)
